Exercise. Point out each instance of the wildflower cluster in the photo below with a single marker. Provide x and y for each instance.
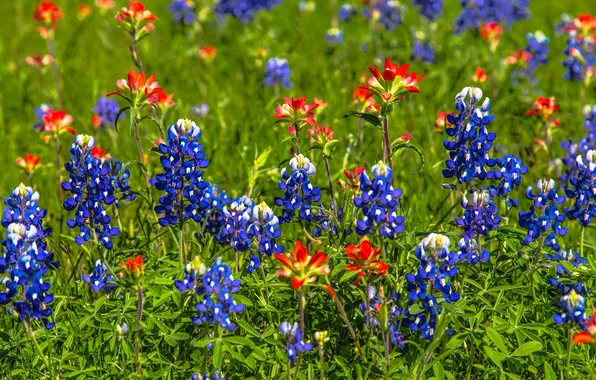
(136, 20)
(100, 279)
(437, 266)
(476, 13)
(299, 193)
(182, 158)
(94, 187)
(374, 307)
(582, 189)
(300, 266)
(379, 201)
(24, 260)
(528, 59)
(422, 50)
(543, 215)
(295, 342)
(105, 113)
(429, 9)
(581, 48)
(183, 11)
(277, 71)
(480, 215)
(243, 10)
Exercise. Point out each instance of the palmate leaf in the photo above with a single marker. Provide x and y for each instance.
(368, 117)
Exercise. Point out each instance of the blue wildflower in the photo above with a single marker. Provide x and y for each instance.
(429, 9)
(294, 342)
(396, 315)
(243, 10)
(334, 36)
(93, 187)
(277, 70)
(183, 11)
(574, 309)
(107, 110)
(477, 12)
(201, 110)
(25, 259)
(480, 215)
(346, 12)
(100, 279)
(182, 158)
(422, 50)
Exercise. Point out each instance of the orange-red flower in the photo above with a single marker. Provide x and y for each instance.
(29, 164)
(39, 61)
(363, 259)
(138, 88)
(105, 4)
(301, 267)
(519, 57)
(55, 123)
(48, 13)
(588, 336)
(353, 178)
(98, 153)
(492, 33)
(545, 108)
(208, 53)
(161, 100)
(320, 102)
(321, 134)
(296, 111)
(441, 123)
(83, 10)
(135, 13)
(134, 265)
(480, 75)
(394, 83)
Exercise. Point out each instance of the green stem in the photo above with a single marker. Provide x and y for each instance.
(45, 360)
(331, 192)
(139, 318)
(568, 362)
(581, 241)
(322, 361)
(342, 312)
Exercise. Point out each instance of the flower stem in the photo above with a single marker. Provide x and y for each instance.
(134, 51)
(344, 316)
(331, 192)
(322, 361)
(569, 347)
(360, 136)
(581, 242)
(301, 312)
(387, 145)
(139, 318)
(31, 335)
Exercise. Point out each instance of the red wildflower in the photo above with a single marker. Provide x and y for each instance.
(492, 33)
(96, 121)
(29, 164)
(138, 87)
(441, 121)
(98, 153)
(480, 75)
(588, 336)
(518, 57)
(55, 123)
(353, 178)
(162, 100)
(320, 102)
(39, 61)
(301, 267)
(48, 13)
(135, 13)
(208, 52)
(134, 265)
(321, 134)
(296, 111)
(545, 108)
(396, 82)
(363, 260)
(105, 4)
(83, 10)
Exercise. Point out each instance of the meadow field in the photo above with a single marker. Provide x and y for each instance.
(303, 190)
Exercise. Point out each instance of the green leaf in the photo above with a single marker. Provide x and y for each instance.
(396, 146)
(549, 373)
(496, 338)
(218, 354)
(527, 348)
(330, 147)
(120, 112)
(239, 340)
(495, 356)
(368, 117)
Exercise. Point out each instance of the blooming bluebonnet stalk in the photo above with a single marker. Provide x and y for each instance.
(422, 50)
(294, 343)
(437, 266)
(475, 13)
(581, 188)
(183, 11)
(243, 10)
(397, 316)
(574, 309)
(468, 151)
(265, 230)
(277, 70)
(378, 201)
(468, 251)
(119, 176)
(480, 215)
(217, 199)
(93, 189)
(24, 260)
(216, 287)
(346, 12)
(546, 203)
(581, 49)
(430, 9)
(107, 110)
(299, 193)
(182, 158)
(100, 279)
(538, 48)
(510, 175)
(389, 13)
(334, 36)
(236, 220)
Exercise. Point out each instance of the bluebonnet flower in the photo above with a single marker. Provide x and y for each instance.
(389, 13)
(299, 193)
(243, 10)
(217, 200)
(183, 11)
(93, 187)
(573, 150)
(538, 48)
(236, 220)
(105, 111)
(100, 279)
(549, 217)
(216, 286)
(294, 343)
(24, 260)
(182, 158)
(573, 306)
(397, 316)
(378, 201)
(468, 251)
(119, 176)
(277, 70)
(574, 259)
(512, 170)
(205, 376)
(265, 230)
(201, 110)
(334, 36)
(581, 188)
(422, 50)
(581, 49)
(39, 113)
(478, 12)
(437, 266)
(468, 151)
(480, 215)
(346, 12)
(430, 9)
